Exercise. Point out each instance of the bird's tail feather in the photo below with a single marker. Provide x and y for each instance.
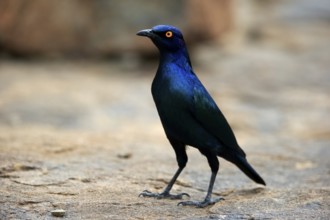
(244, 166)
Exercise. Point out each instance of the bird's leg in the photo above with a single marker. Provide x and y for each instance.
(208, 200)
(214, 164)
(166, 192)
(182, 158)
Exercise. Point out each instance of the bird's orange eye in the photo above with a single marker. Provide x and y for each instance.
(169, 34)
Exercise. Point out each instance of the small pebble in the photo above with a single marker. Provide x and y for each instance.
(124, 156)
(58, 212)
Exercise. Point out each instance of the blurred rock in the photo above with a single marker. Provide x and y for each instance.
(97, 28)
(208, 20)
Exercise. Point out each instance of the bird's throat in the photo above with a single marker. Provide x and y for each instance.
(180, 58)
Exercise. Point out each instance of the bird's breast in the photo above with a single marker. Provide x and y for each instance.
(171, 92)
(173, 97)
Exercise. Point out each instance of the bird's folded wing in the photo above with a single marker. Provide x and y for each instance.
(207, 113)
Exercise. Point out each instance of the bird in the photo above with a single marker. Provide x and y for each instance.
(189, 115)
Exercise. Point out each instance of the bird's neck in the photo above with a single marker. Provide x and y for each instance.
(179, 57)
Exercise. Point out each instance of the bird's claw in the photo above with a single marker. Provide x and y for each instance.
(179, 196)
(202, 204)
(147, 193)
(163, 195)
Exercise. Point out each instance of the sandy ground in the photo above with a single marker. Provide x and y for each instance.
(85, 137)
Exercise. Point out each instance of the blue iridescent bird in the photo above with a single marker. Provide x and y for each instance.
(189, 115)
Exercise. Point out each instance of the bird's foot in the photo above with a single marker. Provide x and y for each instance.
(163, 195)
(201, 204)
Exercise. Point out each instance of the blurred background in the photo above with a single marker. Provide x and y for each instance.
(75, 89)
(47, 48)
(69, 29)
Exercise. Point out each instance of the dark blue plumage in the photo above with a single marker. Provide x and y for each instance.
(188, 113)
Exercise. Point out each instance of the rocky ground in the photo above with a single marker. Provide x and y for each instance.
(85, 136)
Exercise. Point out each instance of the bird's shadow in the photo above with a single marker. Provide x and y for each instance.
(253, 191)
(242, 192)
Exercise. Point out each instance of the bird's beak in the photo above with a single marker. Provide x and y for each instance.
(145, 33)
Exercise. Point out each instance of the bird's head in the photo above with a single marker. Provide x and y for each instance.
(167, 38)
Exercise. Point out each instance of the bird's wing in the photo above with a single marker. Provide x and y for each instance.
(207, 113)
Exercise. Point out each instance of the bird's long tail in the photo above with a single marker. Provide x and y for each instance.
(244, 165)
